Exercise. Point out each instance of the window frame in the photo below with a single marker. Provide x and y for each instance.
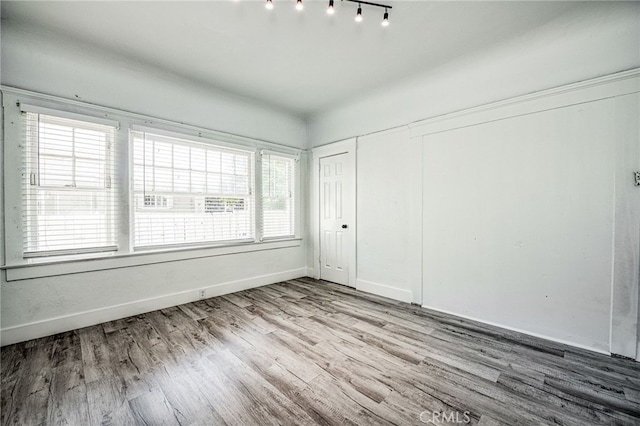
(294, 189)
(17, 267)
(186, 140)
(32, 187)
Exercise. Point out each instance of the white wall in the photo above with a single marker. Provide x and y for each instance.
(518, 222)
(596, 39)
(41, 306)
(527, 215)
(547, 272)
(387, 250)
(51, 64)
(69, 299)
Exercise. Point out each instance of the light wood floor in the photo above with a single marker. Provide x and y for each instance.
(307, 352)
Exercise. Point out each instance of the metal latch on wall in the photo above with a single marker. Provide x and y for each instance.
(637, 174)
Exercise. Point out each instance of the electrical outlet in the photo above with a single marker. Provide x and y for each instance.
(201, 294)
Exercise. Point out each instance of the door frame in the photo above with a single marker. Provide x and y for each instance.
(347, 146)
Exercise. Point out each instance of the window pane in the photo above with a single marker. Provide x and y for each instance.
(228, 184)
(71, 206)
(198, 182)
(55, 139)
(181, 181)
(90, 174)
(142, 151)
(201, 189)
(90, 144)
(181, 157)
(242, 165)
(213, 161)
(162, 154)
(228, 163)
(278, 202)
(214, 185)
(163, 180)
(198, 159)
(56, 171)
(242, 185)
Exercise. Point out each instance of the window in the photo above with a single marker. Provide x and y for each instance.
(68, 186)
(188, 192)
(278, 196)
(98, 184)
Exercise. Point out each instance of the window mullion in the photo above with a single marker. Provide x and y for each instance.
(73, 158)
(259, 197)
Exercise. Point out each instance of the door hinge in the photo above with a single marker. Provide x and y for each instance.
(32, 178)
(108, 182)
(637, 178)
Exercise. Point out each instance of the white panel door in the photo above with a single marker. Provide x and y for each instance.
(335, 232)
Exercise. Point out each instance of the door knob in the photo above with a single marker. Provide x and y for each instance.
(344, 226)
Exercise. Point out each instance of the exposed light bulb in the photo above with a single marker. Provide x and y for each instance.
(359, 14)
(330, 9)
(299, 5)
(269, 4)
(385, 20)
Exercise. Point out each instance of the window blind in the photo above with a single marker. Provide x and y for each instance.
(69, 203)
(278, 195)
(188, 192)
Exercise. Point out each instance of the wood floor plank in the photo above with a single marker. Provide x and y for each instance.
(67, 403)
(610, 397)
(518, 386)
(238, 300)
(193, 311)
(31, 398)
(152, 408)
(130, 364)
(96, 357)
(12, 358)
(278, 405)
(236, 404)
(107, 403)
(305, 352)
(482, 396)
(632, 395)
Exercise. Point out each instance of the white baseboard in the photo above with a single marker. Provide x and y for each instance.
(311, 272)
(530, 333)
(384, 290)
(42, 328)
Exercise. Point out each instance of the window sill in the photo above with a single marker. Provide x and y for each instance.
(115, 261)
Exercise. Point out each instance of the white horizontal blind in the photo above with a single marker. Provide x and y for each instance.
(69, 203)
(278, 196)
(187, 192)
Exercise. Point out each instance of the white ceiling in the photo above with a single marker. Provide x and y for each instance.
(302, 62)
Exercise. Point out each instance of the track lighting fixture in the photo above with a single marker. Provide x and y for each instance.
(359, 14)
(330, 9)
(385, 19)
